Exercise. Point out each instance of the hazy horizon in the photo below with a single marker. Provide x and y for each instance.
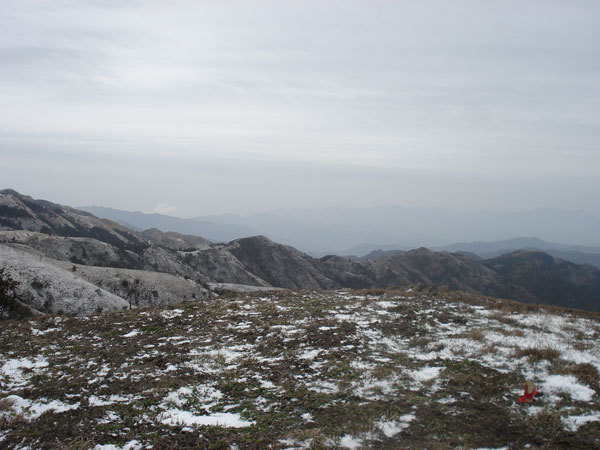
(201, 108)
(335, 230)
(285, 210)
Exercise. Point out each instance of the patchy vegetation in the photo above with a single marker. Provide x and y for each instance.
(382, 369)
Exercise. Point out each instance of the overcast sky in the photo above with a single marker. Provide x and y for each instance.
(201, 107)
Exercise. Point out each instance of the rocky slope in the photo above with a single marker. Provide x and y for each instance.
(79, 253)
(58, 287)
(535, 274)
(526, 275)
(52, 289)
(279, 265)
(173, 240)
(347, 272)
(21, 212)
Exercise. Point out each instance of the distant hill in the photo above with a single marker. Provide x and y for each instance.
(221, 232)
(280, 265)
(377, 254)
(541, 276)
(499, 247)
(574, 253)
(343, 230)
(351, 231)
(60, 238)
(484, 250)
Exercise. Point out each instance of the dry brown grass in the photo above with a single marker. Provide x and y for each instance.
(538, 354)
(476, 335)
(510, 332)
(548, 422)
(490, 349)
(587, 373)
(503, 318)
(381, 371)
(5, 404)
(374, 291)
(514, 307)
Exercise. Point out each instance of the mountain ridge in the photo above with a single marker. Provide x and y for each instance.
(80, 238)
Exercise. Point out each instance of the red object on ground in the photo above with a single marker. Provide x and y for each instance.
(530, 391)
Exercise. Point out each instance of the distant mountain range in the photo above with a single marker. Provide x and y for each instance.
(216, 232)
(229, 227)
(79, 254)
(340, 230)
(575, 253)
(484, 250)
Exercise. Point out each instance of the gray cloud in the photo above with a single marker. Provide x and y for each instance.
(268, 104)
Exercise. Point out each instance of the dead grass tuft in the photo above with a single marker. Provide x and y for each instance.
(510, 332)
(375, 291)
(502, 318)
(382, 371)
(547, 423)
(538, 354)
(587, 374)
(490, 349)
(5, 404)
(476, 335)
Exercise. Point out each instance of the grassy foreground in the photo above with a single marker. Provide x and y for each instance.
(342, 369)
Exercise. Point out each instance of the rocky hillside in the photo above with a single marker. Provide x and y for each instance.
(21, 212)
(61, 256)
(293, 370)
(531, 274)
(58, 287)
(49, 288)
(173, 240)
(66, 234)
(279, 265)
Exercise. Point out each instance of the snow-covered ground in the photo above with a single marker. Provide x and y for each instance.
(299, 369)
(54, 286)
(46, 287)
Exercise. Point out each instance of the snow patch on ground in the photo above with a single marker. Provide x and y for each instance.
(177, 417)
(170, 314)
(350, 442)
(37, 332)
(573, 423)
(203, 395)
(18, 371)
(426, 374)
(132, 445)
(32, 410)
(567, 384)
(132, 333)
(391, 428)
(94, 400)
